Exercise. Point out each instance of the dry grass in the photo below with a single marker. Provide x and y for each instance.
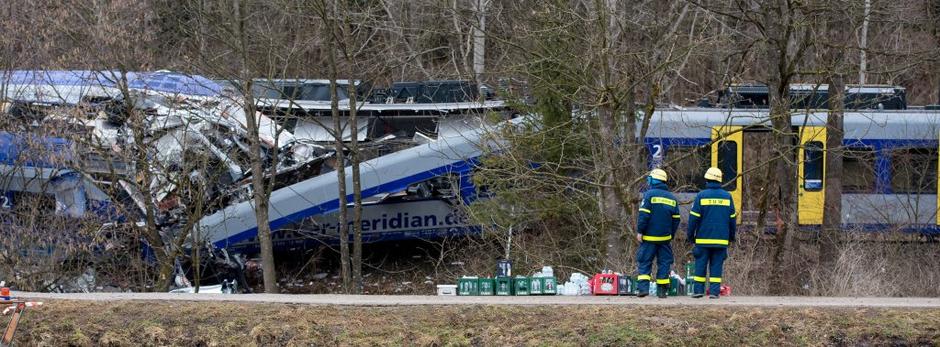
(226, 324)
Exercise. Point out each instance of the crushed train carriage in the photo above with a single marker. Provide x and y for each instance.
(419, 154)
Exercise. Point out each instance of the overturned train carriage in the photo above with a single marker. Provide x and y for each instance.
(890, 163)
(413, 188)
(415, 179)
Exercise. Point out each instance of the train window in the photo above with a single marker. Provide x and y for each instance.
(914, 170)
(858, 170)
(813, 166)
(686, 166)
(728, 163)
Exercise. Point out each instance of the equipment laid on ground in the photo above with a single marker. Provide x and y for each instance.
(487, 287)
(520, 285)
(625, 285)
(724, 291)
(611, 283)
(446, 289)
(468, 285)
(17, 307)
(535, 286)
(549, 285)
(503, 285)
(605, 284)
(540, 283)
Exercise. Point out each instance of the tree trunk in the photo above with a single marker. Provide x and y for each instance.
(783, 191)
(832, 210)
(609, 200)
(258, 184)
(340, 171)
(479, 39)
(606, 164)
(936, 64)
(633, 165)
(357, 192)
(933, 17)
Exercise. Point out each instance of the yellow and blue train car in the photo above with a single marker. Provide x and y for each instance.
(890, 179)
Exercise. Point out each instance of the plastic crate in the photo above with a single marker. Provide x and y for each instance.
(673, 287)
(520, 285)
(487, 286)
(604, 284)
(535, 286)
(549, 286)
(468, 285)
(503, 285)
(625, 285)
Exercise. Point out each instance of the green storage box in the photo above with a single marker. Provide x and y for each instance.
(504, 285)
(520, 285)
(535, 286)
(487, 286)
(543, 286)
(626, 285)
(549, 286)
(673, 286)
(468, 285)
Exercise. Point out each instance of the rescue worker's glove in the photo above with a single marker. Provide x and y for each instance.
(639, 238)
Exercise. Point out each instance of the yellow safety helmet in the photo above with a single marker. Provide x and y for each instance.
(659, 174)
(713, 174)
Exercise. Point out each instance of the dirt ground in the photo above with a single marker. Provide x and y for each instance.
(143, 323)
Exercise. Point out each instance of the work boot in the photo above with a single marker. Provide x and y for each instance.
(713, 296)
(642, 295)
(662, 292)
(697, 296)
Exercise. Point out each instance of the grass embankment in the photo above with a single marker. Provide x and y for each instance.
(62, 323)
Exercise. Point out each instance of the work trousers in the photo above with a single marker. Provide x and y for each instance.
(711, 259)
(644, 259)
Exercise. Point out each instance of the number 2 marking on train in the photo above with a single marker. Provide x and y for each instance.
(657, 151)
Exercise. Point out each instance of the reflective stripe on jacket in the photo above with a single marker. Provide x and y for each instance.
(659, 215)
(712, 220)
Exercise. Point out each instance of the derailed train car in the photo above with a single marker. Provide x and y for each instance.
(415, 179)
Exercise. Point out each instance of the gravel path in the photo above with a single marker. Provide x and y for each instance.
(408, 300)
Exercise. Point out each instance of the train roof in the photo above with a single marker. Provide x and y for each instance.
(163, 81)
(911, 124)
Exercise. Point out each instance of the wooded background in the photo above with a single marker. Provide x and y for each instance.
(616, 61)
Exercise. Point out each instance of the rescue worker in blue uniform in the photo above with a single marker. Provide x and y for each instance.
(657, 223)
(712, 226)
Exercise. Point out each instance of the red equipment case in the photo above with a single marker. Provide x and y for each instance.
(604, 284)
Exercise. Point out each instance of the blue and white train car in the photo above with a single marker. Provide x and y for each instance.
(890, 162)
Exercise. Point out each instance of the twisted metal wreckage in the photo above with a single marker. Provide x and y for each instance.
(418, 154)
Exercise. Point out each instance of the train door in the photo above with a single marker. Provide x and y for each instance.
(727, 144)
(811, 161)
